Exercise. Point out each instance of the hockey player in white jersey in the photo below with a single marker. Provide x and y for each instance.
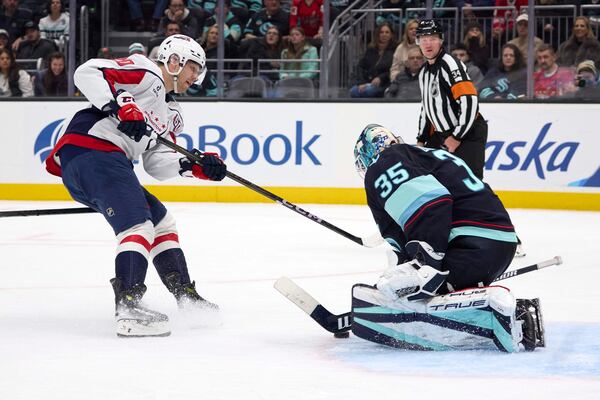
(131, 98)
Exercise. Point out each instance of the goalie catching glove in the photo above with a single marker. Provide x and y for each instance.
(415, 279)
(212, 168)
(132, 121)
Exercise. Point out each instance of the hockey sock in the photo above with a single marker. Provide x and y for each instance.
(133, 251)
(171, 260)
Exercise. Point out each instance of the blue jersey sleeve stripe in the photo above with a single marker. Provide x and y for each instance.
(493, 234)
(411, 196)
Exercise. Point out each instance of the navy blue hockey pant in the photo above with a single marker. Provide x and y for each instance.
(474, 260)
(106, 182)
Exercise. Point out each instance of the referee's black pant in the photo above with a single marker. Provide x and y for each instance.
(472, 146)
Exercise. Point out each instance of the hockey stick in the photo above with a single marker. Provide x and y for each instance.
(370, 241)
(329, 321)
(520, 271)
(339, 323)
(50, 211)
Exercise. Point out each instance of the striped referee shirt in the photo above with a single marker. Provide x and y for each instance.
(449, 98)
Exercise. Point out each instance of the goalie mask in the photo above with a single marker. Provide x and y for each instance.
(372, 141)
(178, 50)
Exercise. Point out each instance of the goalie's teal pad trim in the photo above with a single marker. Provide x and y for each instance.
(493, 234)
(379, 310)
(384, 330)
(411, 196)
(393, 243)
(484, 319)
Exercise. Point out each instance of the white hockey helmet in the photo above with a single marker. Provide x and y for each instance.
(372, 141)
(181, 49)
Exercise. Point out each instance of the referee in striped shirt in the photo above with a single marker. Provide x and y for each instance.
(450, 116)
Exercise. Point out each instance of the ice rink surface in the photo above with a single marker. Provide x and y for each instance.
(57, 338)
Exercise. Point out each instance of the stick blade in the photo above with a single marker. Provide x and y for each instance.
(374, 240)
(296, 294)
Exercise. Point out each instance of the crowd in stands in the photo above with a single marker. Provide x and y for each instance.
(286, 36)
(567, 69)
(33, 33)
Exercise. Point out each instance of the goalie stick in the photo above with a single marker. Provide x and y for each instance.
(370, 241)
(339, 323)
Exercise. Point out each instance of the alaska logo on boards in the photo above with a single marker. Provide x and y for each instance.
(47, 138)
(543, 156)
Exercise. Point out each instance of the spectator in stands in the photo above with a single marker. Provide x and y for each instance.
(137, 16)
(586, 81)
(272, 14)
(207, 6)
(34, 47)
(38, 7)
(308, 15)
(299, 49)
(13, 18)
(232, 28)
(461, 52)
(522, 34)
(551, 80)
(137, 48)
(582, 45)
(52, 81)
(593, 14)
(508, 80)
(374, 67)
(171, 28)
(506, 17)
(266, 48)
(55, 26)
(471, 15)
(4, 39)
(475, 42)
(401, 53)
(405, 85)
(210, 44)
(105, 52)
(242, 9)
(191, 23)
(14, 82)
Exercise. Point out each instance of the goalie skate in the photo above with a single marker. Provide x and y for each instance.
(530, 313)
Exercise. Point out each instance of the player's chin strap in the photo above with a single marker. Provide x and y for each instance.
(175, 76)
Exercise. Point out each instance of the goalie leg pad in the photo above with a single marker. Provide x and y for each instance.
(482, 318)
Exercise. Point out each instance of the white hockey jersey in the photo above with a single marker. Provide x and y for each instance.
(99, 80)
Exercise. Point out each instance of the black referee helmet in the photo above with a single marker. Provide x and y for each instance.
(430, 27)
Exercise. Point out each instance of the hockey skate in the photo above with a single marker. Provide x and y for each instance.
(530, 313)
(185, 293)
(134, 320)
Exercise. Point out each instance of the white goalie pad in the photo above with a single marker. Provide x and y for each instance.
(481, 318)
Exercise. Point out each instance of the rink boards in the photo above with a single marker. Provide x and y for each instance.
(538, 155)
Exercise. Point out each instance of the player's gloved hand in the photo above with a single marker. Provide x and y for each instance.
(411, 280)
(133, 123)
(212, 168)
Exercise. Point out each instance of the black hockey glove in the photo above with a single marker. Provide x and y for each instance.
(212, 168)
(132, 121)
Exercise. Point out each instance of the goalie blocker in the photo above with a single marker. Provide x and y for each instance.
(479, 318)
